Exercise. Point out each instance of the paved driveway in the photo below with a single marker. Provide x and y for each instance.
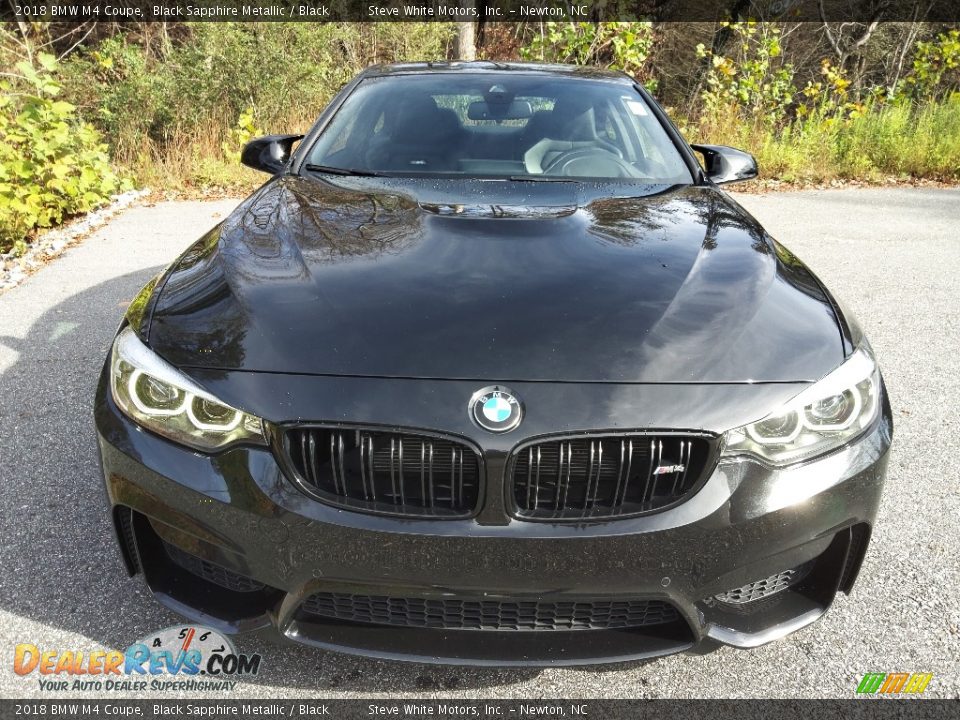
(893, 255)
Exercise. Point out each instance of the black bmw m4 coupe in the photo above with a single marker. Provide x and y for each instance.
(491, 371)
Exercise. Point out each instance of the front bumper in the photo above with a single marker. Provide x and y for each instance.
(238, 513)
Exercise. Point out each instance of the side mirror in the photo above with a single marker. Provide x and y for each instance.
(269, 153)
(726, 164)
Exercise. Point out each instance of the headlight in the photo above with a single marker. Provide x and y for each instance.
(161, 398)
(822, 418)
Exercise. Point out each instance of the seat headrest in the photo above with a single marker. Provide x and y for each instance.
(574, 119)
(417, 117)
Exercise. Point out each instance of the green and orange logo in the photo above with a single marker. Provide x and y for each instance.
(894, 683)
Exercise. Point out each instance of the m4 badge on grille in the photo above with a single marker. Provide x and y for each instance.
(667, 469)
(496, 409)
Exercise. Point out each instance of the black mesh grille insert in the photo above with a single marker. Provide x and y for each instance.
(387, 472)
(605, 477)
(764, 588)
(469, 614)
(211, 572)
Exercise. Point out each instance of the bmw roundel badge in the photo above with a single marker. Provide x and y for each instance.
(496, 409)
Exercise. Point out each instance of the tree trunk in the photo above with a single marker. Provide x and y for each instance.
(466, 41)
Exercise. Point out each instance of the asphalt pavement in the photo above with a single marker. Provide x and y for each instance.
(891, 254)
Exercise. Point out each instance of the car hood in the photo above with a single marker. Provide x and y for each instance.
(498, 281)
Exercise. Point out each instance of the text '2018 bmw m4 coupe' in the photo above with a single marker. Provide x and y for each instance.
(490, 371)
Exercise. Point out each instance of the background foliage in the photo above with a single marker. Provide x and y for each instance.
(52, 163)
(169, 105)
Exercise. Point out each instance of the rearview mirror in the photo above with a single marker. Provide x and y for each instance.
(270, 153)
(516, 110)
(726, 164)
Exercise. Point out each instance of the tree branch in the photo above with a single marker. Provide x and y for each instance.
(826, 29)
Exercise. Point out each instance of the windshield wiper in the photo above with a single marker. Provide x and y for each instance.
(540, 178)
(331, 170)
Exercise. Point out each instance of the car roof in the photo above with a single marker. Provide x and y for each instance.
(487, 66)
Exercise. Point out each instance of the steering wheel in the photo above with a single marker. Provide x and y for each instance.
(589, 162)
(608, 146)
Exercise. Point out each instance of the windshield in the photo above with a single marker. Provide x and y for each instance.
(498, 125)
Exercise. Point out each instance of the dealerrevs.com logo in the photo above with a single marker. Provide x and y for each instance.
(178, 658)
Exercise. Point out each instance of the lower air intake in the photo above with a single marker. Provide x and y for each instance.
(502, 615)
(211, 572)
(760, 589)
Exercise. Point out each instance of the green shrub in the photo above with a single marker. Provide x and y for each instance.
(936, 68)
(52, 165)
(171, 112)
(755, 79)
(282, 71)
(622, 46)
(115, 87)
(242, 132)
(823, 132)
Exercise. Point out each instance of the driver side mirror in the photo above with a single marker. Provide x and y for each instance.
(726, 164)
(270, 153)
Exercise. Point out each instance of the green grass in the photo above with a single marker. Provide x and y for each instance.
(894, 141)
